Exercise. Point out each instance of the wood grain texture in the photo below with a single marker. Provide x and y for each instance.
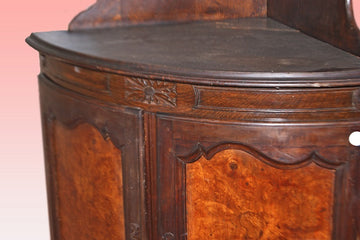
(116, 127)
(235, 196)
(331, 21)
(277, 102)
(250, 51)
(294, 147)
(284, 142)
(90, 185)
(280, 100)
(231, 129)
(110, 13)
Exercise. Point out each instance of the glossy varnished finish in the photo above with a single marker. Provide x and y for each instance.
(257, 201)
(295, 148)
(232, 129)
(110, 13)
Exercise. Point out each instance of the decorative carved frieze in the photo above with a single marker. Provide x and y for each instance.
(150, 91)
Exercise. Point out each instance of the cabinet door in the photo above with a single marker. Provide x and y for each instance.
(93, 162)
(219, 180)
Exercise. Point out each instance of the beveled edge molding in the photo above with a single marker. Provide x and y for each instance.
(200, 151)
(150, 91)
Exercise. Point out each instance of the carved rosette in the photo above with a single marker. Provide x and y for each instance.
(150, 91)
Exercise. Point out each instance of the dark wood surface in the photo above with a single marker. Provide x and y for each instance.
(164, 130)
(231, 51)
(93, 158)
(233, 129)
(331, 21)
(315, 103)
(110, 13)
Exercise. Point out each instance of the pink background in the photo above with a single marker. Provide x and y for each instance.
(23, 206)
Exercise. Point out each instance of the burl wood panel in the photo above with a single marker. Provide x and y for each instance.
(89, 182)
(108, 13)
(235, 196)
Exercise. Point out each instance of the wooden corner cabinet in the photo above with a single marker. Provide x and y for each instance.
(203, 120)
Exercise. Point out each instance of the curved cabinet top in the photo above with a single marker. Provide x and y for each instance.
(256, 52)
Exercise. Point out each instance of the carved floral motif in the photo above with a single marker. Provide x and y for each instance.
(134, 231)
(168, 236)
(150, 91)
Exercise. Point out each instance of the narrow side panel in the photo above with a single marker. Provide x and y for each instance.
(94, 166)
(90, 186)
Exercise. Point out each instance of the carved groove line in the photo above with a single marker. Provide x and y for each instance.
(52, 167)
(150, 91)
(210, 152)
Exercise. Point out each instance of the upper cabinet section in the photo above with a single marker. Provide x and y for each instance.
(331, 21)
(110, 13)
